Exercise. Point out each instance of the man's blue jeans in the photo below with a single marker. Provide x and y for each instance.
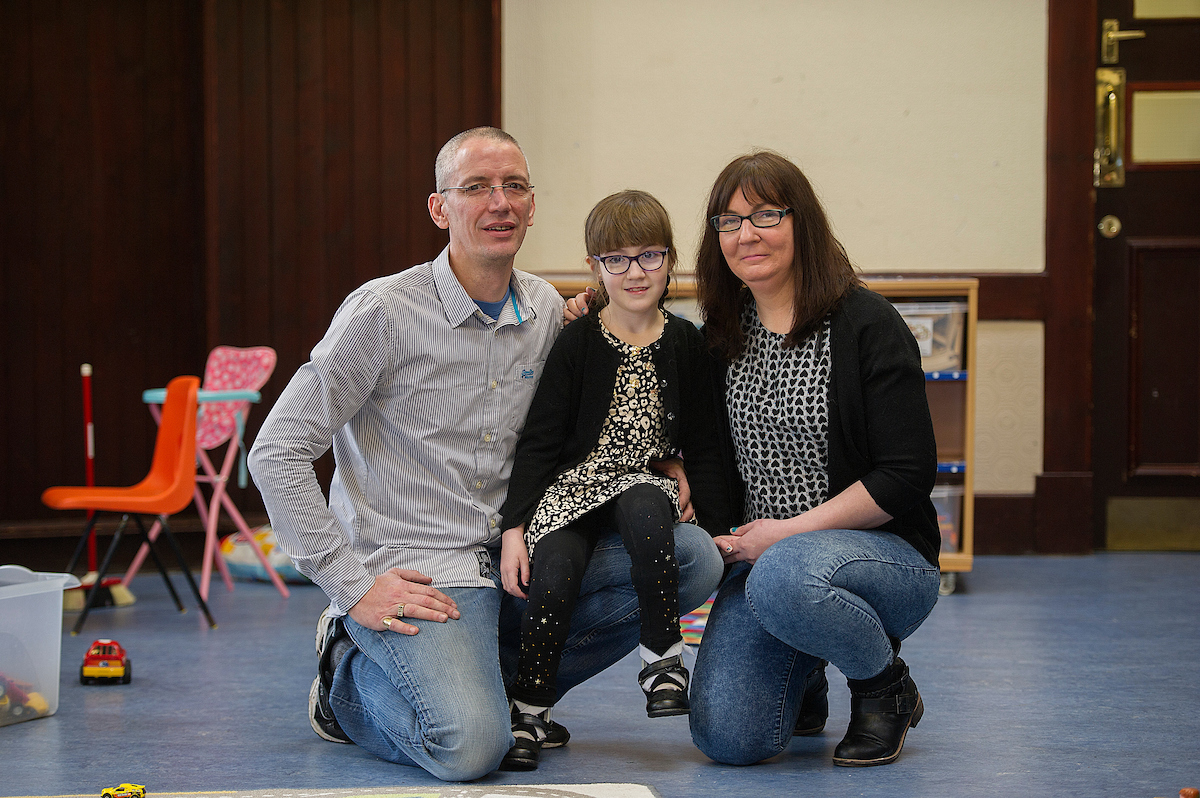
(436, 699)
(836, 595)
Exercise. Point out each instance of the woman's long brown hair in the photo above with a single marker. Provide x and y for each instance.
(822, 271)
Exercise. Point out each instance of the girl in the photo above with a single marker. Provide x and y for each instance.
(621, 389)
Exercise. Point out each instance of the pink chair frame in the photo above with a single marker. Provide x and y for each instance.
(209, 510)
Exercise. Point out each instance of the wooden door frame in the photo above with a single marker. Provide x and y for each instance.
(1063, 519)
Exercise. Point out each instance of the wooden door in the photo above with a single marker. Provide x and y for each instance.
(1146, 444)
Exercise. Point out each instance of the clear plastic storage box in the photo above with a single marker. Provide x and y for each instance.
(948, 501)
(31, 606)
(939, 328)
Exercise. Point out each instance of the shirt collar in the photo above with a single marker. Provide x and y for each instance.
(459, 306)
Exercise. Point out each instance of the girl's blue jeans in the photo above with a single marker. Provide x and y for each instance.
(839, 595)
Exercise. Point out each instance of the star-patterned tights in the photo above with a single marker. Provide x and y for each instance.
(645, 517)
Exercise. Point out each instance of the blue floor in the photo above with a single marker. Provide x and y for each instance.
(1042, 676)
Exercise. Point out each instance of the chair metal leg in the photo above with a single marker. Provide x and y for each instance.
(83, 539)
(94, 592)
(187, 573)
(162, 568)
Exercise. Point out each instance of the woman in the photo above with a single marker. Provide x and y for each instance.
(837, 555)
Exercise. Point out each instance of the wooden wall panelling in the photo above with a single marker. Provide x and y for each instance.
(100, 202)
(366, 103)
(180, 175)
(324, 122)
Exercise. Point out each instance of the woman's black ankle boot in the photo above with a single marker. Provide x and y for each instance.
(879, 721)
(814, 706)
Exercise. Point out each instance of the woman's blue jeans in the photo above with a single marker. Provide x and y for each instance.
(436, 699)
(835, 595)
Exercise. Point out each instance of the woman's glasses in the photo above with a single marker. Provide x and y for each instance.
(731, 222)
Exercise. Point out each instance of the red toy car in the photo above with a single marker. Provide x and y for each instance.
(18, 700)
(105, 660)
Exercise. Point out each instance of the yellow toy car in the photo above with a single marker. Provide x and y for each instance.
(124, 791)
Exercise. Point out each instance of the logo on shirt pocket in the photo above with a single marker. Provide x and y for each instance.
(525, 382)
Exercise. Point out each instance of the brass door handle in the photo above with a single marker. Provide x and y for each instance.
(1111, 34)
(1108, 163)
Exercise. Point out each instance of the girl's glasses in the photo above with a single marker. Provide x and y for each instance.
(651, 260)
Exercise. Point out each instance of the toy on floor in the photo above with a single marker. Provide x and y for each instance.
(19, 699)
(124, 791)
(106, 660)
(243, 562)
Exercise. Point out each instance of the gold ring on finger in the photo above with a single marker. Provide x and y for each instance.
(400, 610)
(387, 621)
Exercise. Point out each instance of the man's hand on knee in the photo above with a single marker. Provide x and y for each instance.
(401, 594)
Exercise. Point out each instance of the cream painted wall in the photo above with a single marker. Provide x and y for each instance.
(1008, 405)
(922, 127)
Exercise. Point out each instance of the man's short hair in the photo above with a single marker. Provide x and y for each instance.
(445, 159)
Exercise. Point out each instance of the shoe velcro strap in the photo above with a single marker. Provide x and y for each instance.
(903, 704)
(532, 725)
(666, 673)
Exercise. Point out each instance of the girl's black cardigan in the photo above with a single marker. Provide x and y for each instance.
(573, 400)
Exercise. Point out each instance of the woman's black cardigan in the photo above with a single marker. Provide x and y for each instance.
(880, 430)
(573, 399)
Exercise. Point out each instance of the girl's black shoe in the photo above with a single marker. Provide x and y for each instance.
(667, 693)
(530, 732)
(879, 722)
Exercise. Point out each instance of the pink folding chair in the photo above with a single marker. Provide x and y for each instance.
(232, 378)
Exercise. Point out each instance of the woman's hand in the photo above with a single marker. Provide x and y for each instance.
(853, 508)
(514, 561)
(747, 542)
(402, 593)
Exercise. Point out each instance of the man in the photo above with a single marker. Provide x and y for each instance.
(421, 385)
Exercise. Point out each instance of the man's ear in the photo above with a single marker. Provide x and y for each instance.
(437, 211)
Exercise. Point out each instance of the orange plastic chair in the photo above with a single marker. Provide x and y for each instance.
(166, 490)
(232, 379)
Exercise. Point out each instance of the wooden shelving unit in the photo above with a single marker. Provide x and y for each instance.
(952, 403)
(951, 391)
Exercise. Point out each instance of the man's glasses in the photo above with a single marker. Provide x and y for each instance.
(731, 222)
(651, 260)
(481, 191)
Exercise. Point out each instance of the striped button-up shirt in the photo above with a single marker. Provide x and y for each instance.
(422, 397)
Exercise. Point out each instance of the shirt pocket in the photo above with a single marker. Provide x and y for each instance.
(524, 381)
